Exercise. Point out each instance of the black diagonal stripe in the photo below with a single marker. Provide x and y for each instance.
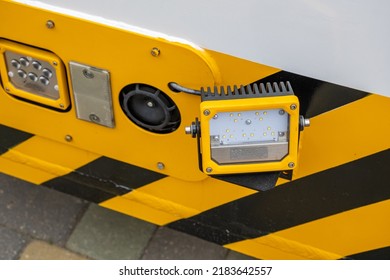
(377, 254)
(316, 96)
(10, 137)
(329, 192)
(103, 179)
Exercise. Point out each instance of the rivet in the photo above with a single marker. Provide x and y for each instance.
(291, 165)
(55, 63)
(160, 165)
(62, 105)
(68, 138)
(209, 169)
(50, 24)
(293, 106)
(155, 52)
(206, 112)
(7, 89)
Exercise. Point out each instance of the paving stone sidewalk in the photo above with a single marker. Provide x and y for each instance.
(40, 223)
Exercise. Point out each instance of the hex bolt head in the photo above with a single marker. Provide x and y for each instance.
(291, 165)
(160, 165)
(206, 112)
(68, 138)
(293, 106)
(209, 169)
(155, 52)
(50, 24)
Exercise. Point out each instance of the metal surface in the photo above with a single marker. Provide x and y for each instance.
(92, 94)
(261, 152)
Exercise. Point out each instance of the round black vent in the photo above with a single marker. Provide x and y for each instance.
(149, 108)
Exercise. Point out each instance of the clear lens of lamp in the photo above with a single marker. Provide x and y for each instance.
(34, 75)
(249, 136)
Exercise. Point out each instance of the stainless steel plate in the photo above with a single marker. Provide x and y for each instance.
(92, 94)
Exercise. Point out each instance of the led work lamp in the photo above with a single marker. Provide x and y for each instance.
(33, 74)
(248, 129)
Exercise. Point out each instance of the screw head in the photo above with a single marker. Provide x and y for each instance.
(206, 112)
(281, 112)
(88, 73)
(62, 105)
(68, 138)
(291, 165)
(94, 118)
(50, 24)
(55, 63)
(160, 165)
(293, 106)
(155, 52)
(209, 169)
(7, 89)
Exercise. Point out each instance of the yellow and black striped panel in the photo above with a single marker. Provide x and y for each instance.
(313, 217)
(103, 179)
(322, 201)
(334, 207)
(10, 137)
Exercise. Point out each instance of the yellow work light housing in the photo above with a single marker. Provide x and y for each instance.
(33, 74)
(248, 129)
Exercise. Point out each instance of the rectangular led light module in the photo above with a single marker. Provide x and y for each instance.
(33, 74)
(249, 129)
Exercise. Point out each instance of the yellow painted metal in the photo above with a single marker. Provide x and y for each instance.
(52, 158)
(343, 135)
(127, 56)
(169, 199)
(248, 104)
(348, 233)
(62, 102)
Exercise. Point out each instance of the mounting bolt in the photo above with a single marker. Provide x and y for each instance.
(206, 112)
(68, 138)
(88, 73)
(291, 165)
(155, 52)
(94, 118)
(50, 24)
(293, 106)
(303, 122)
(209, 169)
(160, 165)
